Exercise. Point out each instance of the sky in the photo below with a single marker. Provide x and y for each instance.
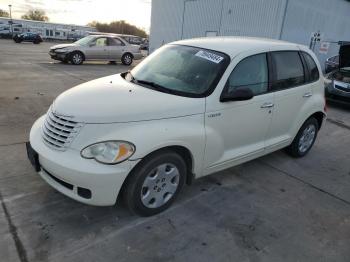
(81, 12)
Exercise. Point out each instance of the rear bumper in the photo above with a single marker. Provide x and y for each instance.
(84, 180)
(137, 56)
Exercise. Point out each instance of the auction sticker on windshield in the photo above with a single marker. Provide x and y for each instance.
(209, 56)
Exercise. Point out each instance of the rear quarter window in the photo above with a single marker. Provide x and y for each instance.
(313, 69)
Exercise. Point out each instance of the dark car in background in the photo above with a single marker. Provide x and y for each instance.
(28, 37)
(331, 64)
(338, 84)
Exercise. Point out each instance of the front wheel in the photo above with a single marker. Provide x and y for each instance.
(154, 184)
(127, 59)
(305, 138)
(77, 58)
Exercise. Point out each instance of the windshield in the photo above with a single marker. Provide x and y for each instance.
(182, 70)
(85, 40)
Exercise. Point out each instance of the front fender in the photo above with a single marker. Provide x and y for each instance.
(149, 136)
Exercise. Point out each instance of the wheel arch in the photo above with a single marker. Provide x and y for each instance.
(319, 116)
(128, 52)
(183, 151)
(77, 51)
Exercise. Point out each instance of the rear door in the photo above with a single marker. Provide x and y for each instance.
(115, 48)
(291, 92)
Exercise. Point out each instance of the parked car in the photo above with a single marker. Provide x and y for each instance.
(331, 64)
(96, 47)
(132, 39)
(28, 37)
(190, 109)
(338, 84)
(145, 45)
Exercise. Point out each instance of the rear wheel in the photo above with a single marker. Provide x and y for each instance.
(154, 184)
(77, 58)
(305, 138)
(127, 59)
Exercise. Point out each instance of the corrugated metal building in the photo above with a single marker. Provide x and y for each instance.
(291, 20)
(45, 29)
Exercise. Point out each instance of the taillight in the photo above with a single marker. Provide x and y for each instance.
(325, 104)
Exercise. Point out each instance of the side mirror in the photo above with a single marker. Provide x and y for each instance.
(239, 94)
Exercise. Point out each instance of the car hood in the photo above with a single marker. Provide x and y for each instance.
(62, 46)
(112, 99)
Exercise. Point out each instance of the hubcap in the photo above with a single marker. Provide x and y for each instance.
(127, 59)
(307, 138)
(160, 185)
(77, 58)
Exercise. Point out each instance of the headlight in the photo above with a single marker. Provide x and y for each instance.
(61, 50)
(109, 152)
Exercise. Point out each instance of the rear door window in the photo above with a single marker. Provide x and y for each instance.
(289, 70)
(313, 70)
(114, 42)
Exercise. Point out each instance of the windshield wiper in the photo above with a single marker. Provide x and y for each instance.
(149, 83)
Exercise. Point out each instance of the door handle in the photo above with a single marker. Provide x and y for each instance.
(267, 105)
(308, 94)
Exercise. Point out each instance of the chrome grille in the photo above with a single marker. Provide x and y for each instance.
(58, 132)
(342, 88)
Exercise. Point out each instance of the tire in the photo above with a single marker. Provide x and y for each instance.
(305, 139)
(155, 183)
(127, 59)
(76, 58)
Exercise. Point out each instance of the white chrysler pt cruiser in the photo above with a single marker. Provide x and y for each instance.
(190, 109)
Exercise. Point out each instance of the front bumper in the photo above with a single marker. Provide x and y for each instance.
(58, 56)
(71, 174)
(338, 91)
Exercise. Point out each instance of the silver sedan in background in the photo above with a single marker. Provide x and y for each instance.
(96, 47)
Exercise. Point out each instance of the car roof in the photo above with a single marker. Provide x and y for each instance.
(232, 46)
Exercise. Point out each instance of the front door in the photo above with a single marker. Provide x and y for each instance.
(236, 130)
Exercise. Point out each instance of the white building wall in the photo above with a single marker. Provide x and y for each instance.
(259, 18)
(180, 19)
(291, 20)
(331, 18)
(166, 21)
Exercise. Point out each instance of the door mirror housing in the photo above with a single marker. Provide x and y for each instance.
(239, 94)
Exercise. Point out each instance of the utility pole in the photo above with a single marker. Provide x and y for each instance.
(11, 22)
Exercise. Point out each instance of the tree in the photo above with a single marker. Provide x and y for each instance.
(37, 15)
(3, 13)
(118, 27)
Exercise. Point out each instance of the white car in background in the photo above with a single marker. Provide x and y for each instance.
(190, 109)
(96, 47)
